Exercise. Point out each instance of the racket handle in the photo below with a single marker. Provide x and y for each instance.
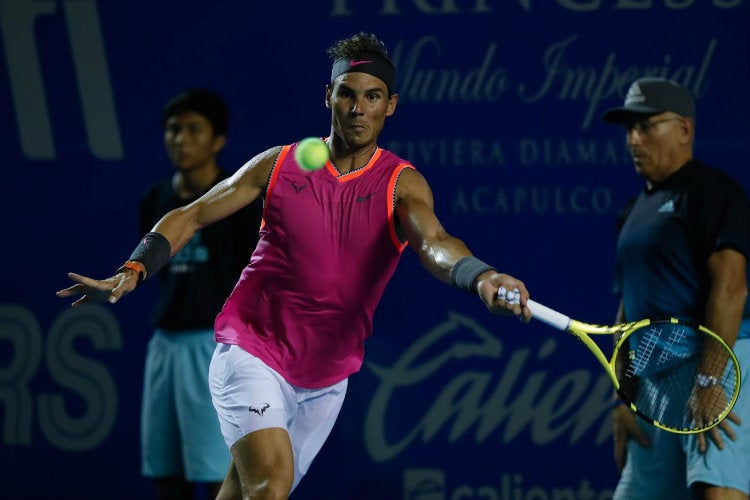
(547, 315)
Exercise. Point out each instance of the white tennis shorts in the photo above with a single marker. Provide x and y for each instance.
(249, 395)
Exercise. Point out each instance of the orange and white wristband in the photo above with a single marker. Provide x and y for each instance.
(136, 266)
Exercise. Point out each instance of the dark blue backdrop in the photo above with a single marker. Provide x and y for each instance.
(500, 106)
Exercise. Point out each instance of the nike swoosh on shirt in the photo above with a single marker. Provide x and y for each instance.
(361, 199)
(357, 63)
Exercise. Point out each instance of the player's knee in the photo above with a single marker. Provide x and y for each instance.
(269, 489)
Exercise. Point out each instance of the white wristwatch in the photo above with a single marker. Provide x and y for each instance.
(704, 380)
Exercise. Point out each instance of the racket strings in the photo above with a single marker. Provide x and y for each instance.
(640, 358)
(677, 376)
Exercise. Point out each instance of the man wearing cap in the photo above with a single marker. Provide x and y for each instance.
(682, 248)
(293, 328)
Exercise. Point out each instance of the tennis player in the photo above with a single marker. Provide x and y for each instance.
(293, 329)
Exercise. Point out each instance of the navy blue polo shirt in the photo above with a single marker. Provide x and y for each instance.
(666, 235)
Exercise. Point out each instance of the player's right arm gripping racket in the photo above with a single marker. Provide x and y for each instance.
(677, 375)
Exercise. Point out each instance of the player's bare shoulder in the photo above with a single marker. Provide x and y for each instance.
(412, 186)
(257, 170)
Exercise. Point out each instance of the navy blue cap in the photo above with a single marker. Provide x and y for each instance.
(652, 96)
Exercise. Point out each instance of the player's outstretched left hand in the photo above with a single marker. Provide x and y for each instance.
(93, 290)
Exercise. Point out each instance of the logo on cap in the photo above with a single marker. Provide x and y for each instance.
(634, 95)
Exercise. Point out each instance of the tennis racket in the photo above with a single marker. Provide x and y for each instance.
(676, 375)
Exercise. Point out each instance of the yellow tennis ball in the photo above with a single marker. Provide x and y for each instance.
(311, 153)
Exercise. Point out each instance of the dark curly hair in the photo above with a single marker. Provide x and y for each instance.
(361, 43)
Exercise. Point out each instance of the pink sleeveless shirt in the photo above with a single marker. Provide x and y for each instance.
(328, 247)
